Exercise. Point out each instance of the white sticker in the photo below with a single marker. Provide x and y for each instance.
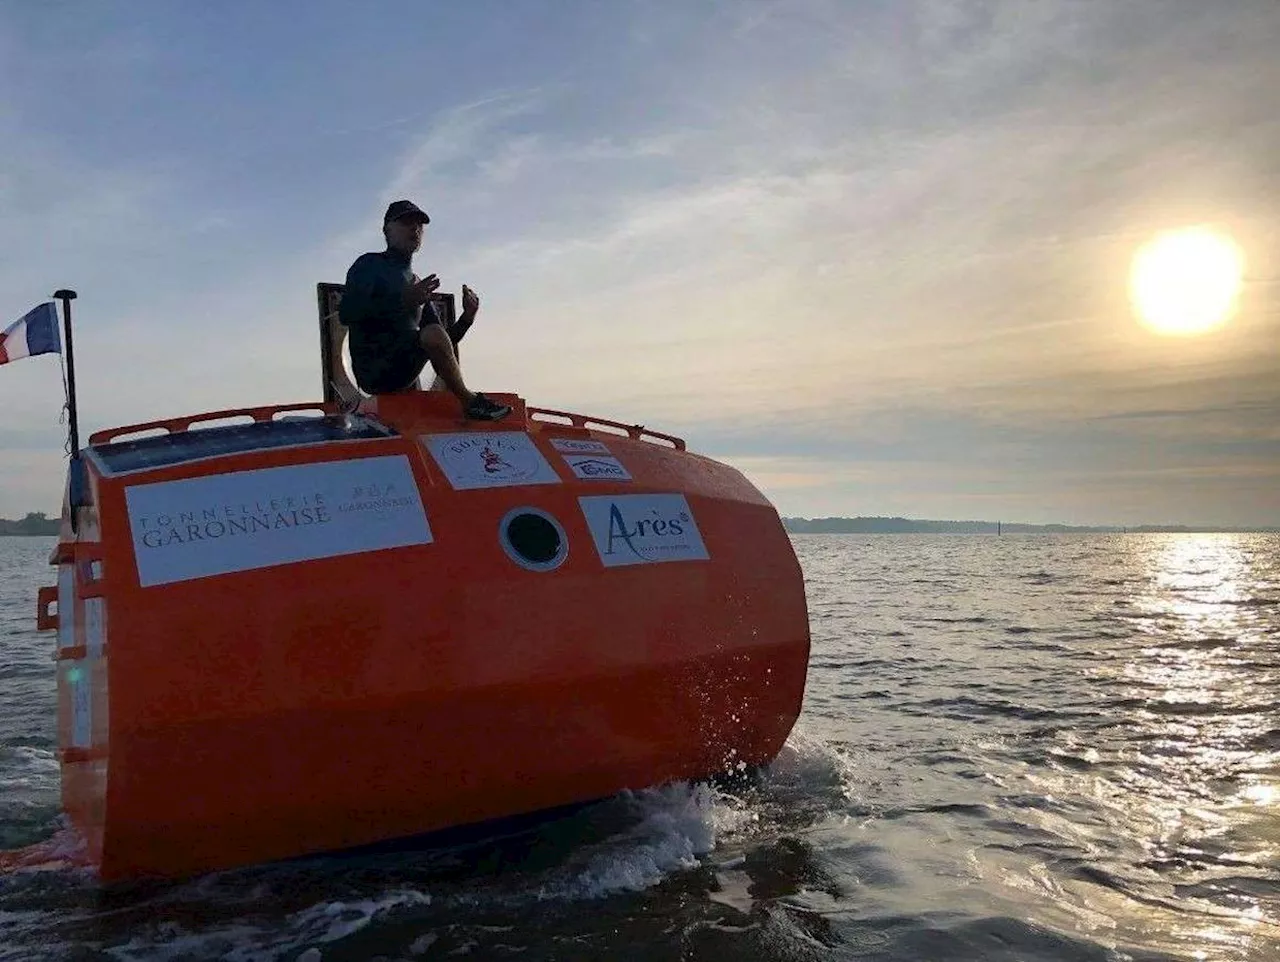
(643, 528)
(272, 516)
(596, 467)
(578, 446)
(66, 605)
(80, 694)
(94, 624)
(490, 459)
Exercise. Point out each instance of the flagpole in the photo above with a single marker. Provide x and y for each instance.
(67, 297)
(77, 489)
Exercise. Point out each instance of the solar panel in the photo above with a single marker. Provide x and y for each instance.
(169, 449)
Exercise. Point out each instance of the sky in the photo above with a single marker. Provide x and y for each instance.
(874, 253)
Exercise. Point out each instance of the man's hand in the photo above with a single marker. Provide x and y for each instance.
(470, 302)
(420, 293)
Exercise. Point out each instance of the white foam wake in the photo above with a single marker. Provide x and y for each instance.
(298, 936)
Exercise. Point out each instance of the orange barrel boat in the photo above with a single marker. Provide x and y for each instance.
(290, 630)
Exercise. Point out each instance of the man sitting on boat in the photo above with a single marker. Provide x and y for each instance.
(393, 329)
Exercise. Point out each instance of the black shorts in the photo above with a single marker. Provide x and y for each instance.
(394, 366)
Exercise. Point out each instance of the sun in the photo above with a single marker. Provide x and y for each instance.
(1186, 282)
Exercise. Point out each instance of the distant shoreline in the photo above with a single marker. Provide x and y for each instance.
(876, 525)
(34, 525)
(40, 526)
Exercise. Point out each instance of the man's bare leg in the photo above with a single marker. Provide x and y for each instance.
(443, 359)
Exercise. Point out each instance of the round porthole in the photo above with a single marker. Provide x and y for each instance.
(533, 539)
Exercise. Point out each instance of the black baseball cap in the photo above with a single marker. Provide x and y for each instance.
(405, 210)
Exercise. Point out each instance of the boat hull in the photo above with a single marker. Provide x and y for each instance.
(296, 648)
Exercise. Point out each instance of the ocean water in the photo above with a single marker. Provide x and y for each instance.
(1019, 748)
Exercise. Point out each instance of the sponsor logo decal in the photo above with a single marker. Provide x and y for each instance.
(255, 519)
(643, 529)
(578, 446)
(596, 467)
(489, 459)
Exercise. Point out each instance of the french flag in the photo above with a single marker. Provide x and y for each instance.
(35, 333)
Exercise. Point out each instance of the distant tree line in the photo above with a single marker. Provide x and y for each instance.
(878, 525)
(35, 523)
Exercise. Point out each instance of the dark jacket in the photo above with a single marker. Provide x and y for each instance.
(372, 306)
(383, 330)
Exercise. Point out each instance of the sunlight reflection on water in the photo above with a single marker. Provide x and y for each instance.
(1201, 771)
